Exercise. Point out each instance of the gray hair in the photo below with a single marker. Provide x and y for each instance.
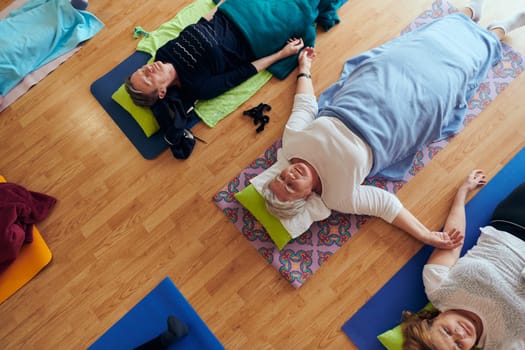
(140, 98)
(280, 209)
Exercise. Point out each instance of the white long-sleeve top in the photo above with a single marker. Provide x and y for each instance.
(342, 161)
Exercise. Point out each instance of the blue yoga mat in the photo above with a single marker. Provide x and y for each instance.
(103, 89)
(405, 291)
(147, 319)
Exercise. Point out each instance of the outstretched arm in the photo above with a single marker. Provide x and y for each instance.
(292, 47)
(407, 222)
(304, 80)
(220, 83)
(455, 224)
(304, 108)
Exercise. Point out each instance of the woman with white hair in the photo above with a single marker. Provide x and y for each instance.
(389, 102)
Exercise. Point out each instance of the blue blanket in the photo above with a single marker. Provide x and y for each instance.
(412, 90)
(37, 33)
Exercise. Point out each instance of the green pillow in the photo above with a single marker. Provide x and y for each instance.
(392, 339)
(254, 202)
(142, 115)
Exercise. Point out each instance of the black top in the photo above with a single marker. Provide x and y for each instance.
(210, 57)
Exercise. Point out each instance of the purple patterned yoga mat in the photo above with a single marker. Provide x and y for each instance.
(304, 255)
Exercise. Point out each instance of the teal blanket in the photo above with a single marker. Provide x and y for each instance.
(37, 33)
(268, 24)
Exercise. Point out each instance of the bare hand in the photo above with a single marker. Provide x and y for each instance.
(445, 240)
(293, 45)
(306, 58)
(474, 180)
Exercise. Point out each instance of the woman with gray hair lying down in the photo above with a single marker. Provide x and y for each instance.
(388, 103)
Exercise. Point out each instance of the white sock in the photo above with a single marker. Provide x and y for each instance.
(476, 6)
(511, 23)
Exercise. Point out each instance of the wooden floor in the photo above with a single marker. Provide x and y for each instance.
(123, 223)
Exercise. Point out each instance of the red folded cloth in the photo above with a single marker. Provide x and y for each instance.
(19, 210)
